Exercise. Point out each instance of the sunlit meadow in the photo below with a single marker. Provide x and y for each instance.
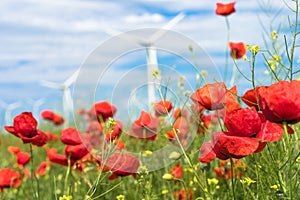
(215, 144)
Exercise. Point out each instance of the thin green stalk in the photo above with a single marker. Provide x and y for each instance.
(108, 191)
(184, 152)
(287, 138)
(67, 175)
(235, 64)
(294, 40)
(37, 192)
(232, 181)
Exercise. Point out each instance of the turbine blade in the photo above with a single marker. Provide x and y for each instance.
(72, 78)
(126, 36)
(166, 27)
(13, 105)
(67, 101)
(51, 84)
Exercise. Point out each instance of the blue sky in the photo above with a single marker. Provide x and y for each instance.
(49, 40)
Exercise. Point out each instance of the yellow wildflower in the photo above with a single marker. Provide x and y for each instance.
(164, 191)
(174, 155)
(275, 187)
(212, 181)
(120, 197)
(146, 153)
(255, 49)
(65, 197)
(167, 177)
(274, 35)
(155, 72)
(247, 181)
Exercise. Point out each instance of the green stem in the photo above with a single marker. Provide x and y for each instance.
(67, 174)
(232, 176)
(37, 193)
(287, 138)
(205, 191)
(294, 40)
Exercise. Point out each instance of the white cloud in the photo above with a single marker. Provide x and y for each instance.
(55, 37)
(144, 18)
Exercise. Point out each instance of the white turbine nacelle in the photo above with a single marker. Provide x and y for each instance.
(151, 53)
(65, 87)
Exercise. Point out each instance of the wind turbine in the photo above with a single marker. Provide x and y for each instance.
(151, 53)
(36, 104)
(8, 110)
(65, 87)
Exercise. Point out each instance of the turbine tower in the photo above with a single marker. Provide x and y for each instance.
(67, 97)
(151, 53)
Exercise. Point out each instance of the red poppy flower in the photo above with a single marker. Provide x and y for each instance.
(94, 127)
(23, 158)
(250, 98)
(70, 136)
(122, 164)
(54, 157)
(280, 102)
(181, 125)
(180, 113)
(206, 153)
(162, 108)
(238, 49)
(270, 132)
(225, 9)
(104, 110)
(13, 150)
(25, 127)
(260, 147)
(210, 96)
(236, 147)
(9, 178)
(114, 131)
(53, 117)
(42, 169)
(224, 170)
(76, 152)
(183, 194)
(176, 171)
(51, 137)
(145, 127)
(119, 144)
(217, 148)
(231, 102)
(244, 122)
